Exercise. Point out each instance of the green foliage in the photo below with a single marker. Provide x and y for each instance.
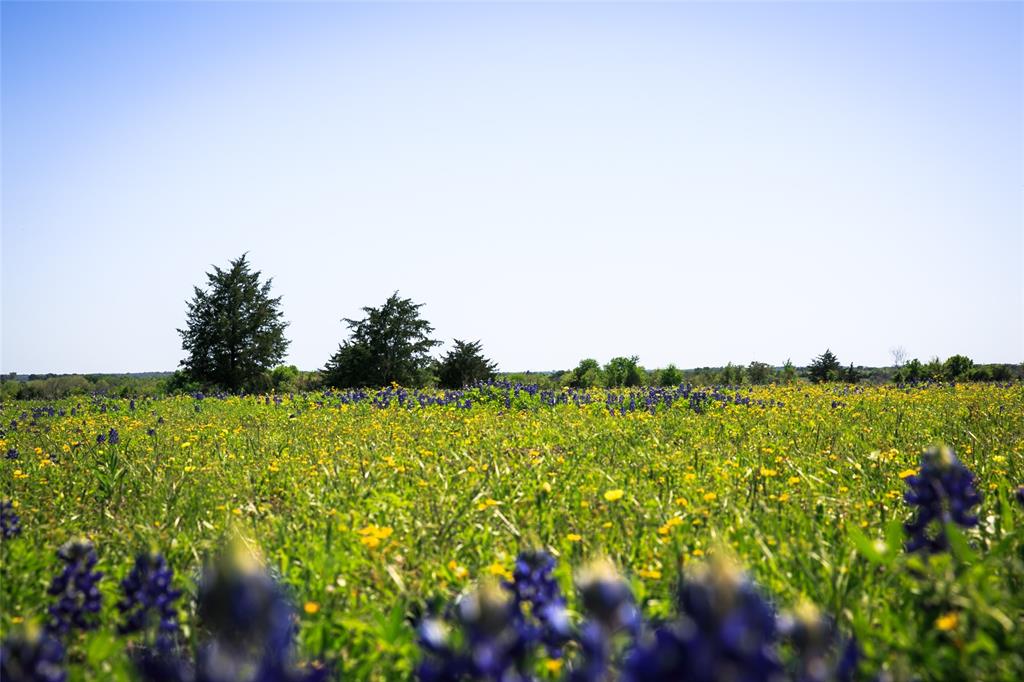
(759, 373)
(234, 332)
(788, 374)
(957, 367)
(670, 376)
(284, 378)
(463, 365)
(731, 375)
(825, 367)
(587, 374)
(623, 371)
(390, 345)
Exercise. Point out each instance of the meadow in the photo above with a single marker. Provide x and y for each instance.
(374, 508)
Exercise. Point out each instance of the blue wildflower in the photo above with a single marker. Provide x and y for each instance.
(148, 594)
(608, 603)
(494, 648)
(78, 597)
(101, 439)
(725, 630)
(32, 655)
(943, 492)
(113, 437)
(1020, 495)
(10, 522)
(12, 453)
(814, 637)
(534, 584)
(252, 629)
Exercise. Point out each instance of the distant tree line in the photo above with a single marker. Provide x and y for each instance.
(234, 340)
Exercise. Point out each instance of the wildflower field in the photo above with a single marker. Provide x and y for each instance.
(374, 511)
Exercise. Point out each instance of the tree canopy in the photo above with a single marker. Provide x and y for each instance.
(234, 332)
(463, 365)
(391, 344)
(825, 367)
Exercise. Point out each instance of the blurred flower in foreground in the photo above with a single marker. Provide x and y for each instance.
(251, 627)
(943, 492)
(32, 655)
(726, 630)
(10, 522)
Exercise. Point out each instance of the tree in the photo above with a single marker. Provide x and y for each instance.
(623, 371)
(759, 372)
(910, 372)
(851, 375)
(587, 374)
(234, 331)
(788, 372)
(825, 367)
(391, 344)
(957, 367)
(463, 365)
(670, 376)
(731, 375)
(899, 356)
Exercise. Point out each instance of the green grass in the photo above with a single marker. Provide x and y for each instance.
(802, 494)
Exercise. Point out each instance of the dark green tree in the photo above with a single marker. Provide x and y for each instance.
(587, 374)
(463, 365)
(731, 375)
(391, 344)
(623, 371)
(788, 374)
(851, 375)
(825, 367)
(759, 372)
(957, 366)
(234, 332)
(670, 376)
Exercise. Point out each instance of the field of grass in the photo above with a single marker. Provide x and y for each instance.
(370, 509)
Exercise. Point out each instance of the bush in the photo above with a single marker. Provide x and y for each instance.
(670, 376)
(623, 371)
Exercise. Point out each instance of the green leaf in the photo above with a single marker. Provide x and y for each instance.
(866, 547)
(959, 546)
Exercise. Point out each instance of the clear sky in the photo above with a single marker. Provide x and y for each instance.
(689, 183)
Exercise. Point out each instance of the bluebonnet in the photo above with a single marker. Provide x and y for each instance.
(611, 610)
(10, 522)
(494, 647)
(32, 655)
(148, 595)
(943, 492)
(113, 437)
(252, 629)
(78, 596)
(726, 630)
(815, 639)
(534, 584)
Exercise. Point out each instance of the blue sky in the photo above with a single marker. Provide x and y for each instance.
(694, 183)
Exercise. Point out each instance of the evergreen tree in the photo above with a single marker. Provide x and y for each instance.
(390, 345)
(463, 365)
(234, 332)
(825, 367)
